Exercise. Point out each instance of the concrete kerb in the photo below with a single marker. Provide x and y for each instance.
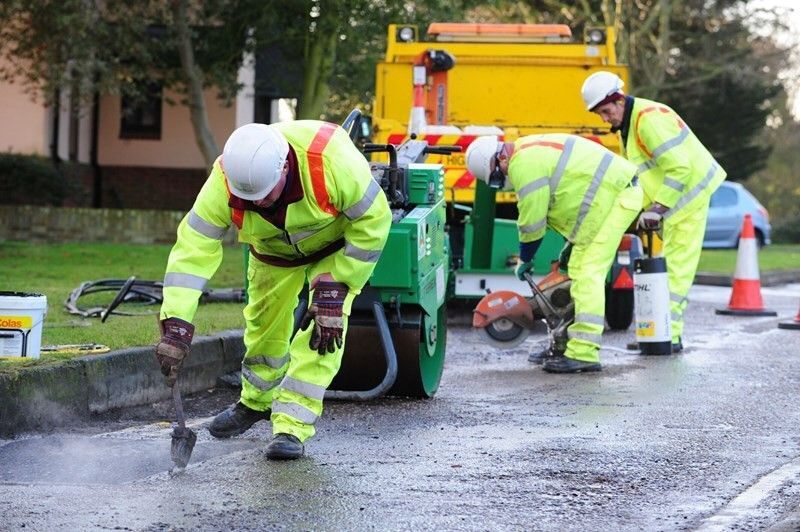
(61, 395)
(64, 394)
(773, 278)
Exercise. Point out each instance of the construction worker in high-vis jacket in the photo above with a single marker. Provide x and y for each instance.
(304, 200)
(584, 192)
(677, 173)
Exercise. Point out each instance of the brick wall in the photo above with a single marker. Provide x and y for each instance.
(134, 187)
(65, 224)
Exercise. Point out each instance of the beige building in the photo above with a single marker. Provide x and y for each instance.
(142, 156)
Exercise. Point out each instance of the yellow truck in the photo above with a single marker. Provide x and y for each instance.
(466, 80)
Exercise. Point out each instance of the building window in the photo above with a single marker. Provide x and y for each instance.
(141, 117)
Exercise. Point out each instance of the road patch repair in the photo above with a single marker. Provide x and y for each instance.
(46, 397)
(110, 458)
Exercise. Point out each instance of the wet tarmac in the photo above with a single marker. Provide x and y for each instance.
(707, 440)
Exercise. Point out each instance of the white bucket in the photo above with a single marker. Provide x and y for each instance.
(21, 318)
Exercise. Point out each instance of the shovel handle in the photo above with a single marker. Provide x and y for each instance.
(176, 398)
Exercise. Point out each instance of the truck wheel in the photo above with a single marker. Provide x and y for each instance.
(619, 308)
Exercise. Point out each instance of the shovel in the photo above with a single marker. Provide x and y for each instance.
(183, 439)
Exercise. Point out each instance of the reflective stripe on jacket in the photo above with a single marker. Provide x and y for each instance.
(566, 182)
(340, 200)
(673, 166)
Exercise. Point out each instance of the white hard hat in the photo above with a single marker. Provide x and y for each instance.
(253, 159)
(479, 156)
(598, 87)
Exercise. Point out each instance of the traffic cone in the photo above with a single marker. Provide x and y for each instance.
(794, 324)
(417, 121)
(746, 296)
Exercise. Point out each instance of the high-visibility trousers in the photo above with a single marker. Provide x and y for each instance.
(683, 233)
(289, 378)
(588, 267)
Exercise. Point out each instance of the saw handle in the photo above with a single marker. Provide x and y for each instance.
(557, 324)
(551, 312)
(649, 233)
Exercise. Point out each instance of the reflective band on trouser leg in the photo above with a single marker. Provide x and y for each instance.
(683, 242)
(297, 402)
(588, 267)
(272, 296)
(588, 275)
(184, 280)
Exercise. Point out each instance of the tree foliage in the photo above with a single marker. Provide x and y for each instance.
(342, 40)
(705, 58)
(117, 47)
(700, 56)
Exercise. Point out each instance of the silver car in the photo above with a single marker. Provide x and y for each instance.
(729, 203)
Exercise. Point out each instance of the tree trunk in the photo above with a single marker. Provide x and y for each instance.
(321, 53)
(194, 84)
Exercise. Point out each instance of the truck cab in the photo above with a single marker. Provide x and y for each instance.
(509, 80)
(465, 80)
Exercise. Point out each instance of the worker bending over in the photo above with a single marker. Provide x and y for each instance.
(305, 201)
(584, 192)
(676, 171)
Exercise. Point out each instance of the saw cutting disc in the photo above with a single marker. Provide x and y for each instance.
(504, 334)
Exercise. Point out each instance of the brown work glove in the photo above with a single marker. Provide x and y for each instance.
(173, 348)
(650, 220)
(326, 312)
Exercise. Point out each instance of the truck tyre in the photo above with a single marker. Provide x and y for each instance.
(619, 308)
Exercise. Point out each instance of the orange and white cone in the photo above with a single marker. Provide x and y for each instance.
(794, 324)
(417, 121)
(746, 296)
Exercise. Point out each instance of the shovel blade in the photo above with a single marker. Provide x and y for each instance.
(183, 441)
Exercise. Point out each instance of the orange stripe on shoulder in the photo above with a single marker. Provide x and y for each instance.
(644, 111)
(555, 145)
(316, 167)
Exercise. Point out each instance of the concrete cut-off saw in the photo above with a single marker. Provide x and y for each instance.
(506, 319)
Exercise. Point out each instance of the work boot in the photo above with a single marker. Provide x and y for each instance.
(562, 364)
(235, 420)
(284, 447)
(677, 347)
(538, 356)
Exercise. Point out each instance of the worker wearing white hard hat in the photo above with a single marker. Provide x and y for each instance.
(677, 173)
(584, 192)
(304, 200)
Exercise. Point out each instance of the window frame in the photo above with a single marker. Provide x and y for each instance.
(133, 114)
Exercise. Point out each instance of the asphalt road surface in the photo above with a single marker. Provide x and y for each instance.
(706, 440)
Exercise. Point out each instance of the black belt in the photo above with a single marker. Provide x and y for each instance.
(299, 261)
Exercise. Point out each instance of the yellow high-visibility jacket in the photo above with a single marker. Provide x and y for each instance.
(340, 200)
(566, 182)
(673, 166)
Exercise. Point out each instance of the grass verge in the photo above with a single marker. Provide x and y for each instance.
(770, 258)
(56, 269)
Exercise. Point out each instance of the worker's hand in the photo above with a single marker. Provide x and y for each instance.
(651, 218)
(173, 348)
(523, 268)
(326, 313)
(564, 255)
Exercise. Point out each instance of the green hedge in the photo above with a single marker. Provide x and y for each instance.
(35, 180)
(787, 231)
